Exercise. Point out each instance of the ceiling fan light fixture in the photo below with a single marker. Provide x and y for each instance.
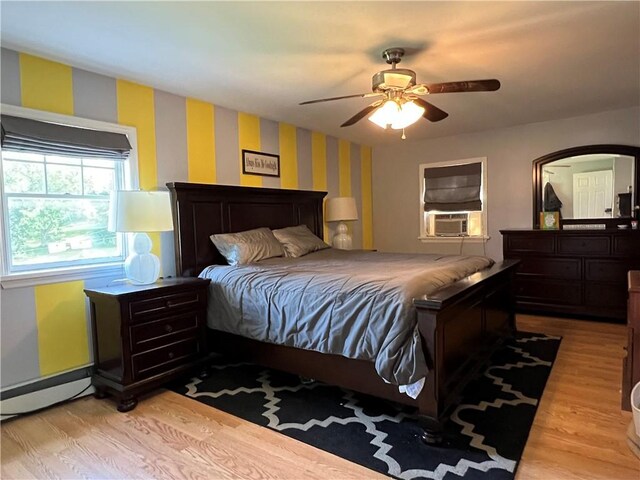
(397, 116)
(386, 114)
(408, 114)
(393, 79)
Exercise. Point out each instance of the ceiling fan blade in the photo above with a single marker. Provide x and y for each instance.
(431, 112)
(361, 114)
(490, 85)
(359, 95)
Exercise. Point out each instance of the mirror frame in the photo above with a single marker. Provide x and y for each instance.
(539, 163)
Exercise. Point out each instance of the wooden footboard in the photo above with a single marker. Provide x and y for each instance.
(461, 325)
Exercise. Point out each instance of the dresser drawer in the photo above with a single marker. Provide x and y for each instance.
(569, 268)
(146, 336)
(162, 359)
(627, 245)
(143, 310)
(542, 290)
(602, 270)
(604, 295)
(529, 244)
(583, 245)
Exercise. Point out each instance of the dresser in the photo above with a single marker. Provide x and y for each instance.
(573, 272)
(631, 362)
(144, 336)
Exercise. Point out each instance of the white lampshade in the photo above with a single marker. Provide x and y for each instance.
(341, 209)
(397, 116)
(138, 211)
(409, 114)
(385, 115)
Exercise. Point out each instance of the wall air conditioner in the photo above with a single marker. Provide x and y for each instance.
(451, 224)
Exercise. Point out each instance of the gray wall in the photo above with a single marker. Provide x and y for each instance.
(509, 152)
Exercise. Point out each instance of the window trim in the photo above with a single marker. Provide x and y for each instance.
(67, 273)
(422, 233)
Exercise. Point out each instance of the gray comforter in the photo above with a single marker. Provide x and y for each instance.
(351, 303)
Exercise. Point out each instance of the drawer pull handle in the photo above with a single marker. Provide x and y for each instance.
(168, 328)
(171, 304)
(171, 355)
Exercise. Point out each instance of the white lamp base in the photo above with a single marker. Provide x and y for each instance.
(142, 267)
(342, 240)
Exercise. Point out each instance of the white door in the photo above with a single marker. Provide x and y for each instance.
(593, 194)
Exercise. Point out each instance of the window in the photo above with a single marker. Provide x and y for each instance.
(452, 200)
(57, 173)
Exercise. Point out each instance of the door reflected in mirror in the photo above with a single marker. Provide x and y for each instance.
(589, 186)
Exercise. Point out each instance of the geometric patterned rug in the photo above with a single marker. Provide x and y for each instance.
(483, 439)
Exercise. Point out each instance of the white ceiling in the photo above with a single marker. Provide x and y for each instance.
(554, 59)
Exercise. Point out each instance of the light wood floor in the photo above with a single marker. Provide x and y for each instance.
(579, 430)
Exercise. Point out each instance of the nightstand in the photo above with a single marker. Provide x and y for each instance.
(146, 335)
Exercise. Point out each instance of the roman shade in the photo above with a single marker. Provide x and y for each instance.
(453, 188)
(27, 135)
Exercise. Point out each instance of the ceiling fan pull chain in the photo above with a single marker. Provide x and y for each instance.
(404, 137)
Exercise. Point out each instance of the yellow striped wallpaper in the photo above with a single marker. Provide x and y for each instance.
(62, 332)
(288, 156)
(60, 309)
(46, 85)
(201, 153)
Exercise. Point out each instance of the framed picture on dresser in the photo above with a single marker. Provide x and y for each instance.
(549, 220)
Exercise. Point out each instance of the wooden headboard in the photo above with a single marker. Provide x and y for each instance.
(200, 210)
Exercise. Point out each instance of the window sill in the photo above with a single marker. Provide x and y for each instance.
(70, 274)
(434, 239)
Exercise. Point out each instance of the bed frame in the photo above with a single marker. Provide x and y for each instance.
(460, 325)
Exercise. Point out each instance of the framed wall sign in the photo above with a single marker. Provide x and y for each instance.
(259, 163)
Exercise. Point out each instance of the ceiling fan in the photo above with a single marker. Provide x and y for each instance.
(401, 105)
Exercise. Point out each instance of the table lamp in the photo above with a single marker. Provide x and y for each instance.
(342, 209)
(140, 212)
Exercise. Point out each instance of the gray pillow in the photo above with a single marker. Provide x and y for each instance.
(298, 241)
(248, 246)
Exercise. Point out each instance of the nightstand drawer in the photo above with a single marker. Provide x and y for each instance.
(146, 336)
(143, 310)
(162, 359)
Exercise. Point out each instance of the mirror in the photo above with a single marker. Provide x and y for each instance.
(590, 184)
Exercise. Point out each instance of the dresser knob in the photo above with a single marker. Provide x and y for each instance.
(171, 355)
(168, 328)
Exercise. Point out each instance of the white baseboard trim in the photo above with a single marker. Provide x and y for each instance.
(45, 397)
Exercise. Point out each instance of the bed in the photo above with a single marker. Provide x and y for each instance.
(459, 325)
